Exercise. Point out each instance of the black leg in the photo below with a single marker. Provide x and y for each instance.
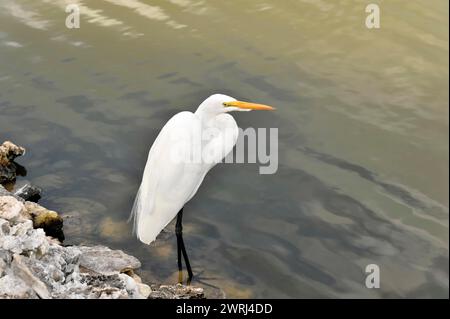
(179, 234)
(186, 260)
(181, 249)
(180, 266)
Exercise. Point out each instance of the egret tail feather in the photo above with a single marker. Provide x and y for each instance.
(134, 215)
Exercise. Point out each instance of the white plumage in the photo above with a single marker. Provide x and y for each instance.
(187, 147)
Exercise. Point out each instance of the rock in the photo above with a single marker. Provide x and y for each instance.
(21, 229)
(9, 151)
(28, 192)
(102, 260)
(12, 287)
(2, 267)
(8, 168)
(144, 290)
(34, 264)
(5, 259)
(46, 219)
(32, 242)
(5, 256)
(3, 191)
(23, 272)
(138, 290)
(11, 208)
(177, 291)
(4, 227)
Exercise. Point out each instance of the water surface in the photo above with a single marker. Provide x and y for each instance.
(363, 135)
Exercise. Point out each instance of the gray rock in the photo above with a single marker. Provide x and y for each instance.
(4, 227)
(28, 192)
(5, 256)
(5, 192)
(8, 173)
(34, 265)
(102, 260)
(12, 287)
(177, 291)
(21, 270)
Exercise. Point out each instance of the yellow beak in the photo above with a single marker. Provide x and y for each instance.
(249, 106)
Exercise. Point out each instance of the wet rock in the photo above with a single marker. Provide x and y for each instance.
(8, 168)
(102, 260)
(5, 192)
(46, 219)
(9, 151)
(177, 291)
(28, 192)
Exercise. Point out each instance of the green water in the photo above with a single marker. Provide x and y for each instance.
(363, 135)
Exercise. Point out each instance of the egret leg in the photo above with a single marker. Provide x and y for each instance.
(186, 260)
(181, 249)
(179, 234)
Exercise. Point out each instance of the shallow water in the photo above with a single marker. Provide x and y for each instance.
(363, 135)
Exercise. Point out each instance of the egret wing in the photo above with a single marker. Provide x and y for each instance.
(168, 179)
(218, 145)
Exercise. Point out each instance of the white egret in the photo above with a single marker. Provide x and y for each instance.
(187, 147)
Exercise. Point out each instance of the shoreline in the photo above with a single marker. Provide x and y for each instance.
(34, 262)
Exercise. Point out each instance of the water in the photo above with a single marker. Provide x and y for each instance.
(363, 135)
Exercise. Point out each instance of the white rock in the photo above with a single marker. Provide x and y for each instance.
(21, 229)
(10, 208)
(10, 243)
(33, 265)
(23, 239)
(130, 284)
(105, 261)
(13, 287)
(21, 270)
(144, 290)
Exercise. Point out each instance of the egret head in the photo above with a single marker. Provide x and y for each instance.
(221, 103)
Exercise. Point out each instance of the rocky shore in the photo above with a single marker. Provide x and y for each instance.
(34, 263)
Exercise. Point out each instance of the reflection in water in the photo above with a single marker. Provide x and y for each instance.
(363, 135)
